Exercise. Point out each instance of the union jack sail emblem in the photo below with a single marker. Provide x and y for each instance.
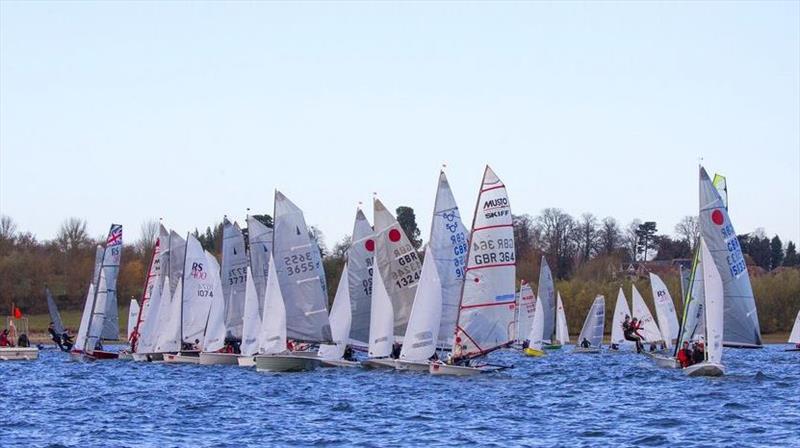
(114, 235)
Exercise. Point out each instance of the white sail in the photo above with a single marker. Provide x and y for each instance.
(794, 336)
(152, 283)
(97, 318)
(381, 321)
(665, 310)
(176, 257)
(251, 322)
(422, 332)
(448, 244)
(593, 326)
(55, 316)
(562, 332)
(83, 329)
(234, 277)
(259, 238)
(340, 318)
(399, 264)
(546, 293)
(715, 299)
(526, 307)
(150, 328)
(536, 334)
(199, 272)
(272, 338)
(216, 328)
(133, 314)
(741, 316)
(620, 311)
(111, 261)
(486, 310)
(301, 276)
(649, 331)
(360, 258)
(169, 320)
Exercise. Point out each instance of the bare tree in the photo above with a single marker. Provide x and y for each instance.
(586, 235)
(632, 238)
(609, 236)
(555, 227)
(148, 236)
(72, 235)
(315, 233)
(8, 232)
(340, 249)
(526, 237)
(688, 229)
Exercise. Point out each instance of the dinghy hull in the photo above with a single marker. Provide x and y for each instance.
(182, 358)
(147, 357)
(552, 347)
(413, 366)
(705, 369)
(246, 361)
(211, 359)
(379, 363)
(666, 362)
(286, 363)
(586, 351)
(19, 353)
(440, 368)
(533, 352)
(339, 363)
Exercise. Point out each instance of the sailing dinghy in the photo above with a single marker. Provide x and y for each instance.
(536, 334)
(591, 338)
(794, 337)
(259, 238)
(133, 314)
(486, 316)
(301, 282)
(143, 338)
(525, 309)
(562, 331)
(217, 329)
(649, 329)
(17, 327)
(714, 312)
(665, 311)
(341, 317)
(621, 311)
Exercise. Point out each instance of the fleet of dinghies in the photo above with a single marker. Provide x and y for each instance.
(265, 305)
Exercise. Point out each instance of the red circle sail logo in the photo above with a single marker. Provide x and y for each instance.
(394, 235)
(370, 245)
(717, 217)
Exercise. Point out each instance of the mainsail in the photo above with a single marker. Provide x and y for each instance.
(148, 331)
(794, 337)
(621, 310)
(360, 257)
(665, 310)
(422, 332)
(399, 264)
(197, 291)
(97, 318)
(592, 330)
(55, 316)
(169, 318)
(234, 277)
(650, 331)
(251, 322)
(151, 283)
(175, 256)
(741, 317)
(562, 332)
(693, 323)
(83, 329)
(486, 310)
(536, 334)
(259, 238)
(216, 329)
(546, 294)
(133, 313)
(300, 274)
(448, 244)
(526, 307)
(340, 318)
(110, 264)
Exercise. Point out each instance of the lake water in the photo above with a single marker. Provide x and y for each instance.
(562, 399)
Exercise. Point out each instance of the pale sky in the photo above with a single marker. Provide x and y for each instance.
(121, 112)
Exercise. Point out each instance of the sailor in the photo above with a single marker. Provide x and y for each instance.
(585, 343)
(632, 333)
(66, 339)
(396, 348)
(23, 341)
(348, 353)
(614, 346)
(699, 353)
(54, 335)
(4, 340)
(685, 355)
(525, 344)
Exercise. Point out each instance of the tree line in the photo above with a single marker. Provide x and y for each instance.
(588, 256)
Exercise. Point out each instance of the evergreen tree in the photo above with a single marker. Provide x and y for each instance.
(776, 252)
(264, 219)
(790, 258)
(646, 238)
(408, 221)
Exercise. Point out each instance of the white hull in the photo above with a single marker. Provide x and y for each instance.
(380, 363)
(413, 365)
(705, 369)
(246, 361)
(19, 353)
(440, 368)
(286, 363)
(587, 351)
(339, 363)
(147, 357)
(666, 362)
(211, 359)
(178, 358)
(125, 356)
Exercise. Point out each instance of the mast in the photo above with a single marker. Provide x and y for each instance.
(183, 291)
(687, 297)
